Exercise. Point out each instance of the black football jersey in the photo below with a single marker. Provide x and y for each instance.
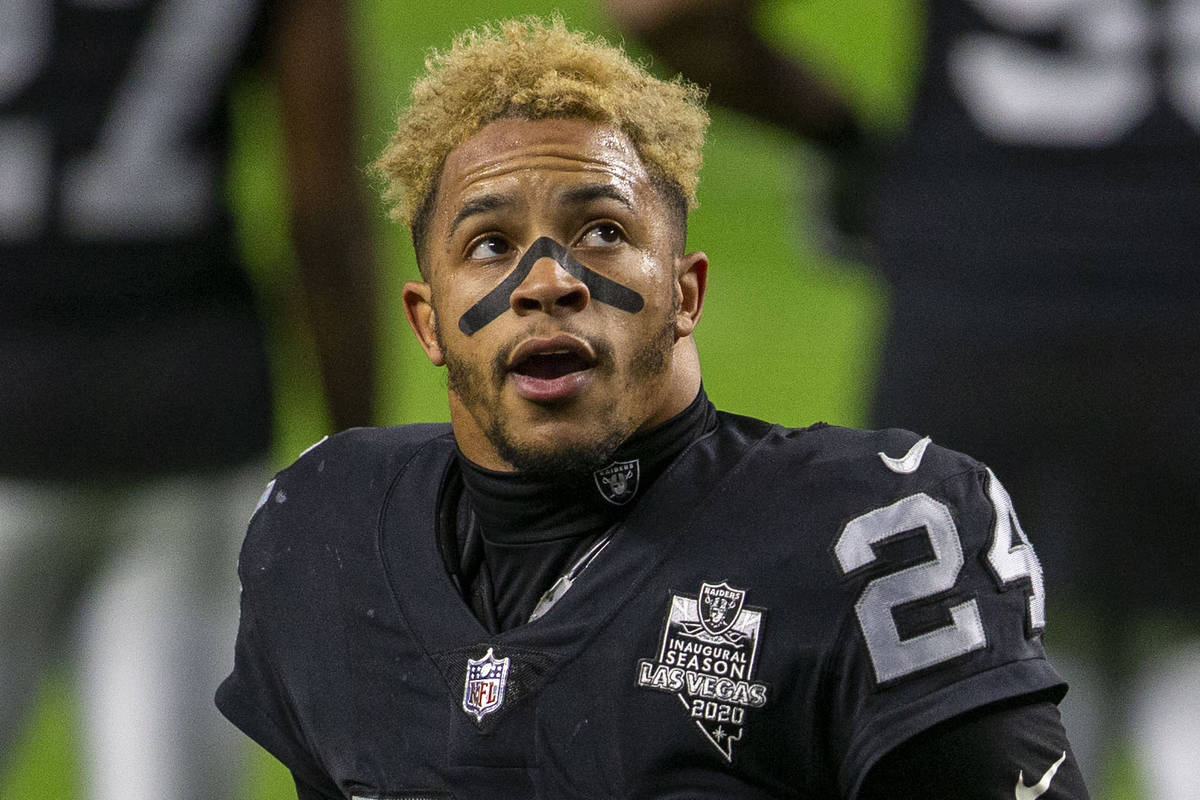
(781, 608)
(1054, 150)
(129, 338)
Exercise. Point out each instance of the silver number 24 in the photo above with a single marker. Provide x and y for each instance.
(1010, 556)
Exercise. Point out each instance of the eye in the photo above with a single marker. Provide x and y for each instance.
(604, 234)
(488, 247)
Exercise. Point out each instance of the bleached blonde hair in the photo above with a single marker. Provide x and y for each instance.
(535, 68)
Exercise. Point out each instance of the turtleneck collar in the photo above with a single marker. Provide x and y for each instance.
(514, 508)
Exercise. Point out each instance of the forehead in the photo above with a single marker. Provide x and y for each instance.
(510, 152)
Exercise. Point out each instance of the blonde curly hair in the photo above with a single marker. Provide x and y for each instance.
(535, 68)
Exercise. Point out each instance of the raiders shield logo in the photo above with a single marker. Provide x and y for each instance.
(719, 607)
(483, 690)
(618, 482)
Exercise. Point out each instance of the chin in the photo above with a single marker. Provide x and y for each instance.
(558, 459)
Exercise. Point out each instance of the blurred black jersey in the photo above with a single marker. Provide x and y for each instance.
(1054, 153)
(779, 610)
(129, 340)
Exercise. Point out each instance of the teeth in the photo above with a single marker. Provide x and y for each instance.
(548, 354)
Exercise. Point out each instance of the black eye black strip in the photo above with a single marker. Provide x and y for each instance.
(498, 300)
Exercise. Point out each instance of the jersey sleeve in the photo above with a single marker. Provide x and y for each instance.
(254, 696)
(988, 754)
(256, 701)
(946, 612)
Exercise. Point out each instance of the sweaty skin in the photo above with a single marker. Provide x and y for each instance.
(565, 372)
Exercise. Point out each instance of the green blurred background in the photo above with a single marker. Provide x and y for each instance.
(788, 333)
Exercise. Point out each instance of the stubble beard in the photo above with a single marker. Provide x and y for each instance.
(560, 461)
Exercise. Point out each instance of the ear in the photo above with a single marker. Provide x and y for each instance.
(423, 320)
(692, 282)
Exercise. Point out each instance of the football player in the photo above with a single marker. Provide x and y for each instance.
(591, 583)
(1037, 224)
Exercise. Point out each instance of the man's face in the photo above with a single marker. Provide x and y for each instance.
(555, 364)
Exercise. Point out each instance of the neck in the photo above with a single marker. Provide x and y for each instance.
(518, 507)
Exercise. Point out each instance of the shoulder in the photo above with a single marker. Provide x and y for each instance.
(890, 451)
(334, 491)
(386, 442)
(360, 456)
(832, 497)
(864, 464)
(863, 502)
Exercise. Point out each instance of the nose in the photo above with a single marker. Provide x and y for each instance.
(550, 289)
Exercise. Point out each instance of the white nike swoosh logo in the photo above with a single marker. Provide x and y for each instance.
(1024, 792)
(909, 461)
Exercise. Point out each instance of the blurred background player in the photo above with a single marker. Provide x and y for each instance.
(1038, 226)
(135, 408)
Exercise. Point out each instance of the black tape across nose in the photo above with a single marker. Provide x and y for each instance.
(497, 301)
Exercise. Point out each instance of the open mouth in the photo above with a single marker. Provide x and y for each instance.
(551, 369)
(548, 366)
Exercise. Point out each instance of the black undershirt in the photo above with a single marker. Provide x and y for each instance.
(515, 534)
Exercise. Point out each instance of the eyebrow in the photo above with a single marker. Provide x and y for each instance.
(578, 195)
(479, 205)
(581, 195)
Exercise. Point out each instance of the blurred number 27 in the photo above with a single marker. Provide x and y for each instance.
(139, 176)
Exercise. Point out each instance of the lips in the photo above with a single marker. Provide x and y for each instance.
(551, 369)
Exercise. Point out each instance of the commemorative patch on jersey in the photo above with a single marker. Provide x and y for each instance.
(618, 482)
(483, 689)
(707, 658)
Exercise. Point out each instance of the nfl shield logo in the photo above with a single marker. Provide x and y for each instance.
(719, 606)
(483, 691)
(618, 482)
